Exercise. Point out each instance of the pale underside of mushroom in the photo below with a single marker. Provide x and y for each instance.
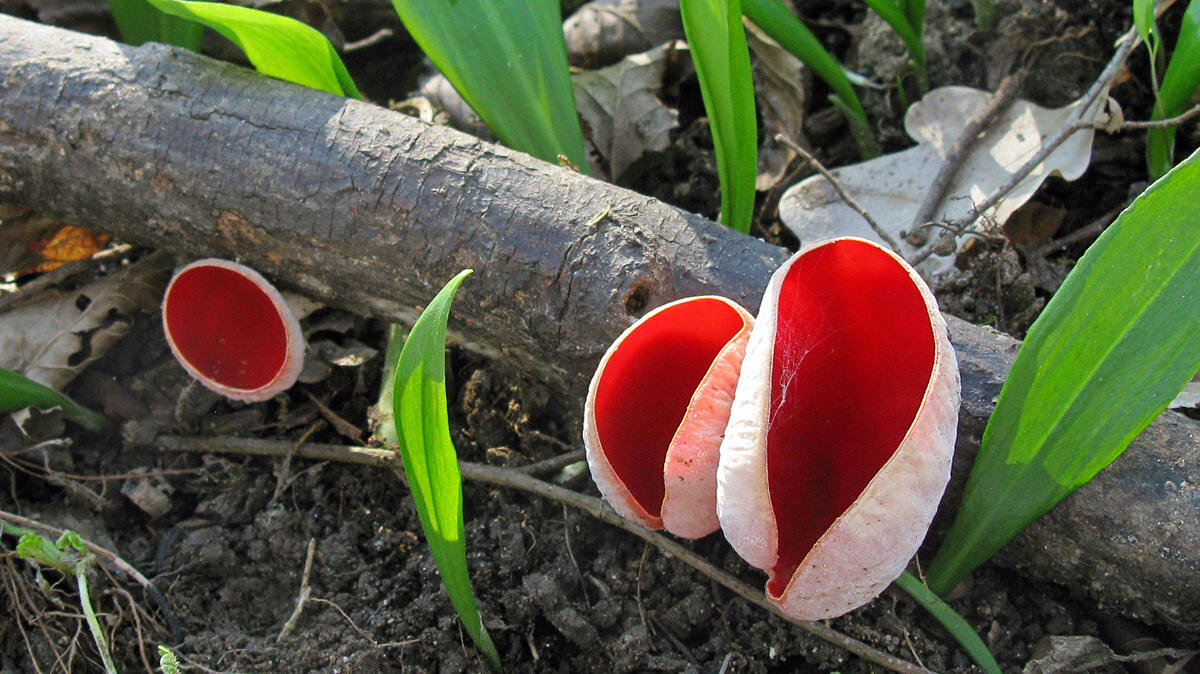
(656, 410)
(840, 438)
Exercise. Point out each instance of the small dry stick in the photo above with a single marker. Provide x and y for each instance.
(1194, 111)
(1072, 124)
(305, 593)
(1005, 94)
(841, 191)
(514, 479)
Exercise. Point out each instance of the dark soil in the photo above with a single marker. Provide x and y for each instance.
(557, 590)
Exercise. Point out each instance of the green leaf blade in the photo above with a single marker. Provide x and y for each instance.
(139, 22)
(1178, 84)
(18, 392)
(1115, 344)
(277, 46)
(430, 461)
(954, 623)
(777, 20)
(717, 43)
(508, 60)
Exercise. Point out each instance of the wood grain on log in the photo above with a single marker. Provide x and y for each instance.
(373, 211)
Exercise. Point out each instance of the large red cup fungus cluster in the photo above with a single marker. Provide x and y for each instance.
(232, 330)
(835, 448)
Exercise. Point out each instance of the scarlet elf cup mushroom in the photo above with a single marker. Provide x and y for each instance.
(838, 442)
(656, 409)
(232, 330)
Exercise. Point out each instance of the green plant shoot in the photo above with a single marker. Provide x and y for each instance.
(70, 556)
(907, 18)
(276, 45)
(954, 623)
(508, 60)
(18, 392)
(1180, 81)
(139, 22)
(718, 46)
(430, 461)
(1113, 347)
(778, 21)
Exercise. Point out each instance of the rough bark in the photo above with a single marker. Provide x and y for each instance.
(373, 211)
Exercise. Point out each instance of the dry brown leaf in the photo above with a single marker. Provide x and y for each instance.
(779, 86)
(602, 32)
(52, 340)
(18, 235)
(620, 105)
(69, 243)
(1033, 224)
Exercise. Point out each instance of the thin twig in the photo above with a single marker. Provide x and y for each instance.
(841, 191)
(514, 479)
(28, 291)
(553, 464)
(1072, 124)
(305, 593)
(999, 101)
(1090, 230)
(1194, 111)
(102, 553)
(369, 41)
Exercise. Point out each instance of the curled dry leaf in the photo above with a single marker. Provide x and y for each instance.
(52, 340)
(656, 409)
(892, 187)
(779, 84)
(620, 105)
(437, 90)
(839, 442)
(602, 32)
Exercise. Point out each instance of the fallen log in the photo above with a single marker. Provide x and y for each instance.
(372, 211)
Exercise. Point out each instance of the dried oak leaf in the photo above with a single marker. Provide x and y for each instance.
(620, 105)
(602, 32)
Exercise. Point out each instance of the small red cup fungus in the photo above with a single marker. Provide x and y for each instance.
(656, 409)
(232, 330)
(839, 442)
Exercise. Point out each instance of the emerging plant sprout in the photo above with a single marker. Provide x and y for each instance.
(839, 443)
(656, 409)
(232, 330)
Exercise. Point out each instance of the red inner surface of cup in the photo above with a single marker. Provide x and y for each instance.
(853, 355)
(646, 386)
(226, 327)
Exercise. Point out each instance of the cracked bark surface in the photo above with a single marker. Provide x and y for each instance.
(373, 211)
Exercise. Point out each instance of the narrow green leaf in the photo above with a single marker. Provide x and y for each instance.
(1114, 346)
(139, 22)
(717, 42)
(897, 17)
(778, 21)
(278, 46)
(1179, 83)
(508, 60)
(1143, 20)
(430, 461)
(18, 392)
(954, 623)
